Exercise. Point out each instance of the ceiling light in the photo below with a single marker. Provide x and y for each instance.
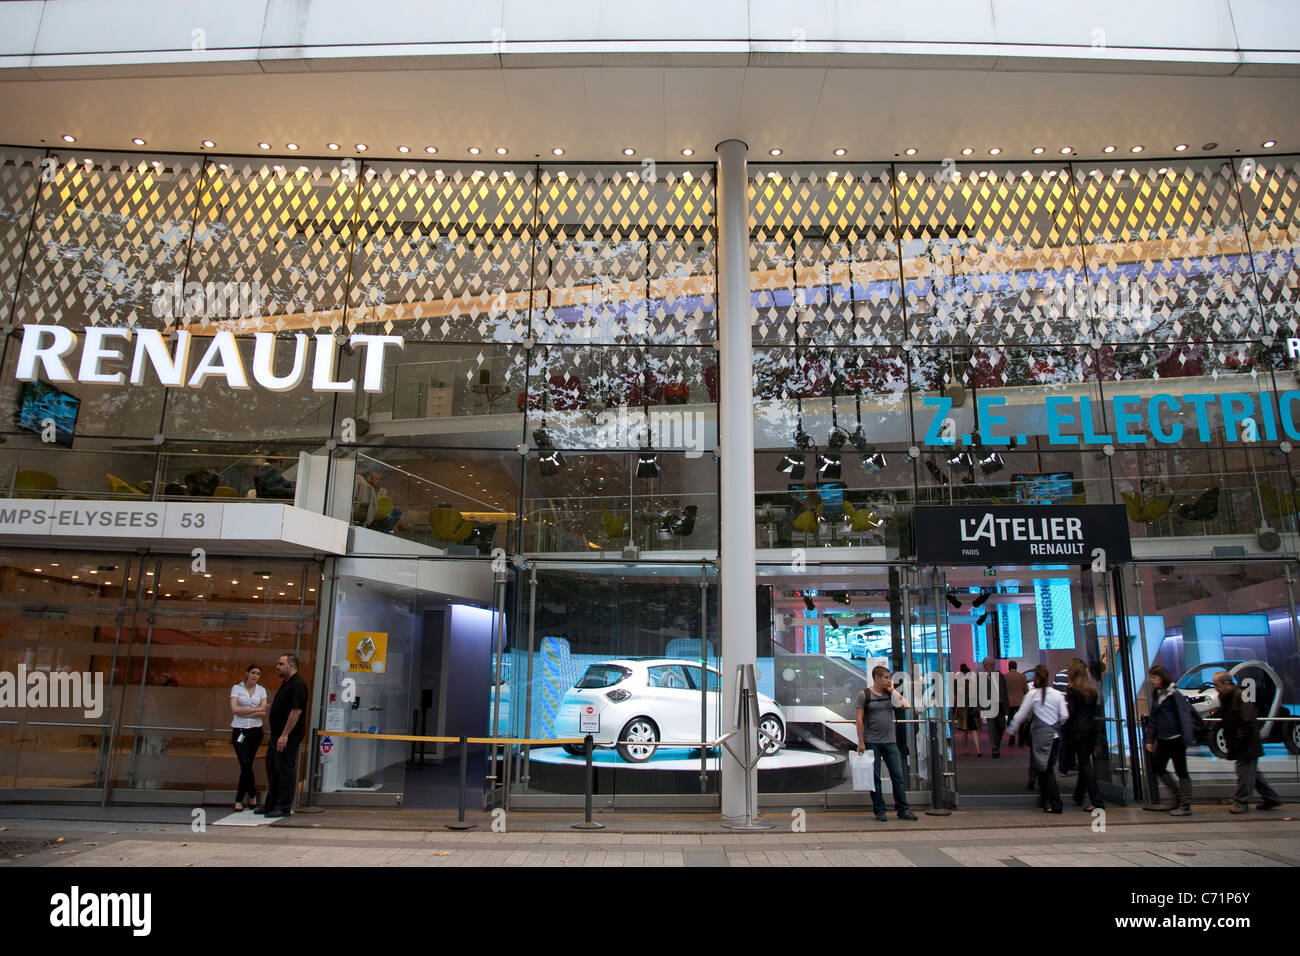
(292, 147)
(1039, 150)
(69, 138)
(793, 465)
(995, 150)
(1108, 149)
(1180, 147)
(979, 601)
(836, 439)
(557, 151)
(474, 150)
(263, 145)
(431, 149)
(501, 150)
(952, 599)
(840, 151)
(961, 461)
(807, 601)
(1066, 150)
(840, 597)
(647, 465)
(967, 150)
(208, 144)
(549, 463)
(1135, 149)
(864, 621)
(828, 466)
(331, 145)
(138, 141)
(403, 149)
(1269, 143)
(361, 147)
(628, 150)
(983, 617)
(774, 151)
(991, 463)
(873, 462)
(688, 151)
(910, 151)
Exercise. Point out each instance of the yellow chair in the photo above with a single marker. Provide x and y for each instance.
(806, 521)
(1279, 504)
(224, 491)
(117, 486)
(1144, 510)
(34, 484)
(449, 525)
(616, 525)
(861, 519)
(383, 508)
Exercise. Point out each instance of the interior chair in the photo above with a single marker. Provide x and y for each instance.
(1204, 508)
(806, 520)
(383, 508)
(1144, 510)
(34, 484)
(616, 525)
(449, 525)
(224, 491)
(202, 484)
(117, 486)
(861, 519)
(1276, 504)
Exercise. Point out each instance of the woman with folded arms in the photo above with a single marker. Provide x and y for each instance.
(248, 704)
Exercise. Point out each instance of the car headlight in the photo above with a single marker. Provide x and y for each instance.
(1198, 700)
(618, 695)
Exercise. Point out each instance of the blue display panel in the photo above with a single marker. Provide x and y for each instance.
(1055, 614)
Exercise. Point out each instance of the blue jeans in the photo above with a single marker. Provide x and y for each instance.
(890, 753)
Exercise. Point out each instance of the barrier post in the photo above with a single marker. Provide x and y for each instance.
(938, 805)
(460, 823)
(587, 823)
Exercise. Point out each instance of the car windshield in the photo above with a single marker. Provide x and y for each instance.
(1200, 678)
(602, 675)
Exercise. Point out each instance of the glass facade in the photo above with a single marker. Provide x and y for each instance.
(555, 398)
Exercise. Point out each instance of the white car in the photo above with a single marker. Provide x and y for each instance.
(1198, 686)
(643, 701)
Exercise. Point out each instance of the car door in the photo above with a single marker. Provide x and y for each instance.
(675, 701)
(713, 697)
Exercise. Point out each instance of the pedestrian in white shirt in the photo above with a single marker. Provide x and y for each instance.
(248, 704)
(1046, 707)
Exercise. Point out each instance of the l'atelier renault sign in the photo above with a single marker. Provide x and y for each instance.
(1030, 534)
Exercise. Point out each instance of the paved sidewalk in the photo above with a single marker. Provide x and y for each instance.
(78, 837)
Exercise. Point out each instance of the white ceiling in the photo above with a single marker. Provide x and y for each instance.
(593, 112)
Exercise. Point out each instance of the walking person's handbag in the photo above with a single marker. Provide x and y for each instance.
(863, 768)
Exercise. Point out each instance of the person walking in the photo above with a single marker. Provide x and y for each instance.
(1166, 732)
(1082, 729)
(1241, 739)
(966, 718)
(1046, 707)
(248, 705)
(997, 708)
(875, 718)
(287, 731)
(1017, 687)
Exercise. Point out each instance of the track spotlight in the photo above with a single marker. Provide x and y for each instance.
(841, 597)
(828, 466)
(647, 465)
(953, 600)
(983, 617)
(549, 462)
(792, 465)
(864, 621)
(991, 463)
(873, 462)
(836, 439)
(542, 439)
(961, 461)
(802, 440)
(980, 599)
(807, 601)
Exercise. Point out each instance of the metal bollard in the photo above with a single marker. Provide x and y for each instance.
(460, 823)
(587, 824)
(938, 805)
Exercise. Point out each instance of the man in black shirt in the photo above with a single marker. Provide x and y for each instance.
(287, 730)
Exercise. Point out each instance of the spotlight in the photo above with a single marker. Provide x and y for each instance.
(828, 466)
(864, 621)
(859, 441)
(983, 617)
(952, 599)
(841, 597)
(541, 439)
(836, 439)
(550, 462)
(991, 463)
(983, 596)
(647, 465)
(807, 601)
(792, 465)
(961, 461)
(802, 440)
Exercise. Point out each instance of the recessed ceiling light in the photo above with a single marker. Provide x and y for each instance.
(263, 145)
(208, 144)
(69, 138)
(278, 168)
(774, 151)
(431, 149)
(138, 141)
(1066, 150)
(1180, 147)
(292, 147)
(403, 149)
(1039, 150)
(1135, 149)
(1269, 143)
(628, 151)
(557, 151)
(474, 150)
(967, 150)
(840, 151)
(995, 150)
(1209, 146)
(361, 147)
(688, 151)
(501, 150)
(331, 145)
(1108, 149)
(910, 151)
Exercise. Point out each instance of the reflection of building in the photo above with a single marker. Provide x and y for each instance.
(532, 296)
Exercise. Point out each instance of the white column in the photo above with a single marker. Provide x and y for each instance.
(736, 611)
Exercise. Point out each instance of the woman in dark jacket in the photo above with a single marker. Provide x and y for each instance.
(1082, 728)
(1167, 731)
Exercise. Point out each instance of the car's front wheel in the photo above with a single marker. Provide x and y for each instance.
(771, 734)
(1217, 741)
(635, 739)
(575, 750)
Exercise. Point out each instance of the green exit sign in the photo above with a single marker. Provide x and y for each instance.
(990, 572)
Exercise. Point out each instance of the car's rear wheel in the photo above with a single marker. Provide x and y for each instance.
(1217, 741)
(1291, 735)
(771, 734)
(574, 750)
(634, 738)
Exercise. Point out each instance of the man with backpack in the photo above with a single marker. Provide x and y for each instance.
(875, 706)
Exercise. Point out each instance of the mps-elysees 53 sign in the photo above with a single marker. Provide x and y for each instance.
(1021, 534)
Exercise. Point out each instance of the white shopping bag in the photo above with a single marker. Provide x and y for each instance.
(863, 766)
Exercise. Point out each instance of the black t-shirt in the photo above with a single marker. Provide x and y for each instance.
(292, 695)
